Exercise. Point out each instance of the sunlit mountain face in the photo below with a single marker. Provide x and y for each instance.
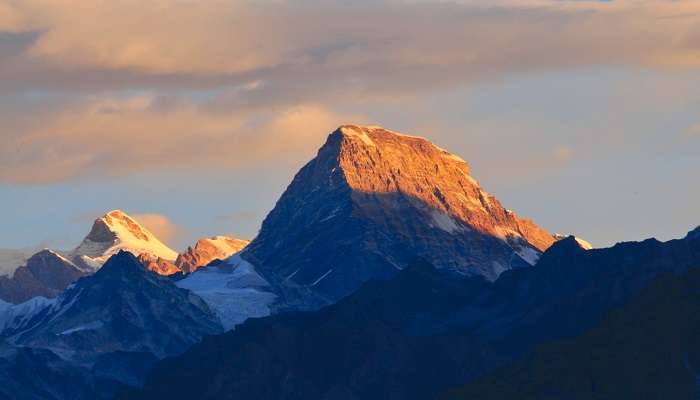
(349, 200)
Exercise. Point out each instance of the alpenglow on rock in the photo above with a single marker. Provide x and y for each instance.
(371, 201)
(207, 250)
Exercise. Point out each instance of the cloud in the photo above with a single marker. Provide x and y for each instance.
(393, 46)
(694, 130)
(160, 225)
(112, 88)
(563, 153)
(108, 137)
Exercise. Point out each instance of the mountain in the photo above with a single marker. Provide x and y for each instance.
(372, 200)
(17, 317)
(122, 307)
(103, 332)
(202, 254)
(32, 374)
(421, 333)
(46, 274)
(113, 232)
(207, 250)
(649, 348)
(108, 328)
(233, 290)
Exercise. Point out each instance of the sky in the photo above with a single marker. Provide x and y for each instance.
(193, 116)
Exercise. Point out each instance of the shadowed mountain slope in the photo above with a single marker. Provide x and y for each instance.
(421, 333)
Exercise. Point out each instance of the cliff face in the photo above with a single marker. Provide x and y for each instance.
(375, 160)
(371, 201)
(208, 250)
(46, 274)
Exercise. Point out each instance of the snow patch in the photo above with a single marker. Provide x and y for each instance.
(15, 316)
(86, 327)
(445, 222)
(584, 244)
(234, 295)
(353, 131)
(290, 276)
(331, 215)
(322, 277)
(530, 255)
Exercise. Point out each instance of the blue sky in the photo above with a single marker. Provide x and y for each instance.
(585, 136)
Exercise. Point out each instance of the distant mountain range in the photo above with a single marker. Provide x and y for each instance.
(49, 272)
(384, 271)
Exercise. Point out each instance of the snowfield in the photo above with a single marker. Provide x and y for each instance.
(233, 290)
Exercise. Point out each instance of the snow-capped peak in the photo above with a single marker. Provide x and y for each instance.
(117, 231)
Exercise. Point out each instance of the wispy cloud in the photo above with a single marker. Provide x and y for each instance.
(694, 131)
(161, 226)
(99, 88)
(104, 137)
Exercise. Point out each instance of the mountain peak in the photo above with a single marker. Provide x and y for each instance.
(377, 160)
(373, 199)
(374, 135)
(117, 231)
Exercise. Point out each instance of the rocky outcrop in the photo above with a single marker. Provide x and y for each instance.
(46, 274)
(208, 250)
(372, 200)
(157, 264)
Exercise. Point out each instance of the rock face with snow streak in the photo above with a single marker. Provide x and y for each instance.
(113, 232)
(46, 274)
(233, 290)
(157, 264)
(207, 250)
(371, 201)
(106, 329)
(121, 308)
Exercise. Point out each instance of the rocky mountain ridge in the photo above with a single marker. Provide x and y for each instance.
(48, 272)
(373, 199)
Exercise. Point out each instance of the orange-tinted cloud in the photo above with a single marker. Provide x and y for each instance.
(117, 137)
(694, 130)
(388, 45)
(160, 225)
(563, 153)
(128, 86)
